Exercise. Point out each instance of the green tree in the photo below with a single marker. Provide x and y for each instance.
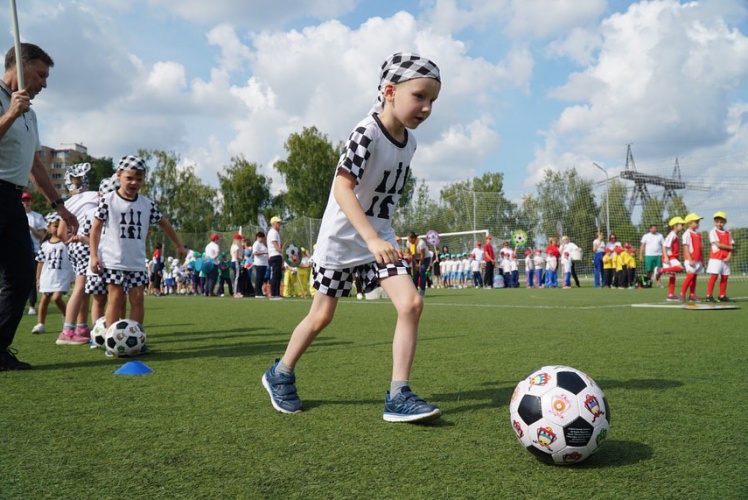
(479, 203)
(308, 171)
(565, 200)
(100, 168)
(676, 207)
(652, 213)
(244, 191)
(420, 215)
(620, 217)
(179, 193)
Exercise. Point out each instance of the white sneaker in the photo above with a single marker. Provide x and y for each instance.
(39, 328)
(32, 311)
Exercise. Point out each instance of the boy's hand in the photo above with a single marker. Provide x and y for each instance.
(96, 266)
(383, 251)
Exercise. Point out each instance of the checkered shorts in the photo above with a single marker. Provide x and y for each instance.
(80, 256)
(95, 285)
(126, 279)
(339, 282)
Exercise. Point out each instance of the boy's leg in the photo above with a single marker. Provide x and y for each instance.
(137, 307)
(401, 404)
(723, 286)
(710, 286)
(115, 303)
(320, 315)
(59, 302)
(279, 380)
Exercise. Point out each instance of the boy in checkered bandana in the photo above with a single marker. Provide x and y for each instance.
(118, 231)
(356, 235)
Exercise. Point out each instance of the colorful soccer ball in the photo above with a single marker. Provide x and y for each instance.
(98, 332)
(560, 415)
(124, 338)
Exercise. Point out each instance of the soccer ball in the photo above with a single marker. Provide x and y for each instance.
(560, 415)
(124, 338)
(98, 332)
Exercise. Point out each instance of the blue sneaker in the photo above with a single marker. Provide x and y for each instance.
(282, 390)
(407, 407)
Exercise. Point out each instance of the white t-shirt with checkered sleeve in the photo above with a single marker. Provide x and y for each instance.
(381, 166)
(126, 223)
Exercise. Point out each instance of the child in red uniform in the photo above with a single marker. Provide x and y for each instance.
(722, 246)
(670, 256)
(692, 256)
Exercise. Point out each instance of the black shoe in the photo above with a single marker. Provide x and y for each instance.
(709, 298)
(9, 361)
(725, 298)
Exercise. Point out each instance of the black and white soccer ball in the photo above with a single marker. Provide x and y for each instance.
(560, 415)
(124, 337)
(98, 332)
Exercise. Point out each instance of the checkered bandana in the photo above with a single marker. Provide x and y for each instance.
(52, 217)
(131, 162)
(108, 184)
(401, 67)
(77, 170)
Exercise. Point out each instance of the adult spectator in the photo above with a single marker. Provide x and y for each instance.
(598, 250)
(613, 243)
(573, 249)
(275, 258)
(37, 230)
(489, 258)
(19, 158)
(421, 262)
(650, 251)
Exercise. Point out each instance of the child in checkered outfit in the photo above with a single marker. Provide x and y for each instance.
(118, 233)
(356, 234)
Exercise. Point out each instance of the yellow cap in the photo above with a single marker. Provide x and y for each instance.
(676, 220)
(721, 215)
(692, 217)
(275, 219)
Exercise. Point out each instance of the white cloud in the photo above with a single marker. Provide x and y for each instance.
(254, 13)
(663, 79)
(518, 18)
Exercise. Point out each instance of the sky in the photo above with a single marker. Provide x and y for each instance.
(527, 84)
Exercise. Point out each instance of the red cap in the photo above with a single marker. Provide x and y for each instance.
(566, 253)
(619, 249)
(237, 236)
(214, 237)
(26, 196)
(527, 252)
(488, 237)
(478, 243)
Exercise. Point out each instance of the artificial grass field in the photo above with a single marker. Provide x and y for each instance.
(201, 426)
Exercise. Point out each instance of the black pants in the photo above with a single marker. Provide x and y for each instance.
(574, 274)
(276, 266)
(259, 279)
(16, 263)
(488, 275)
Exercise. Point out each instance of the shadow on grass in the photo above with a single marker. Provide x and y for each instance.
(618, 453)
(239, 350)
(493, 396)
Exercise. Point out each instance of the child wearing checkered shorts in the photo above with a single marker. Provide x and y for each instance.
(356, 235)
(118, 233)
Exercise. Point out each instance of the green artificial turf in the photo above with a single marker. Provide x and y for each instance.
(201, 425)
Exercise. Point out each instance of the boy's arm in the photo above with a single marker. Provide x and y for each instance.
(167, 228)
(384, 252)
(94, 238)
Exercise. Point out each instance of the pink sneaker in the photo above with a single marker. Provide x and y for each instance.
(83, 332)
(65, 336)
(68, 336)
